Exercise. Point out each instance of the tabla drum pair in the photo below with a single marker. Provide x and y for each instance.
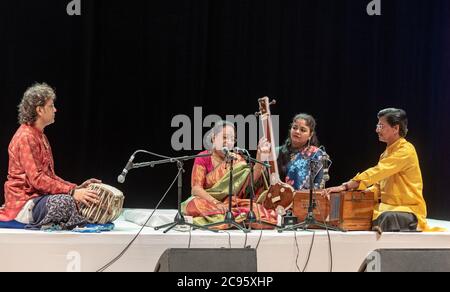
(109, 207)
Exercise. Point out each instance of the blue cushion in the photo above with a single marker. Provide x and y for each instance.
(12, 225)
(90, 228)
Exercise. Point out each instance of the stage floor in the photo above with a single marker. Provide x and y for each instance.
(277, 252)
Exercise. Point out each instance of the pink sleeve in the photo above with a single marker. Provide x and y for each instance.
(202, 166)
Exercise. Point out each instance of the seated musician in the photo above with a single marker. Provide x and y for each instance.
(396, 180)
(210, 183)
(294, 156)
(34, 194)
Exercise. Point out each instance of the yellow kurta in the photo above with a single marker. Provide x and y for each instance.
(397, 181)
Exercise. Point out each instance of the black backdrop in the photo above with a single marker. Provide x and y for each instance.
(124, 69)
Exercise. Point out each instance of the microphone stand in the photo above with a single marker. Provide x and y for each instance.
(310, 220)
(179, 218)
(251, 217)
(229, 217)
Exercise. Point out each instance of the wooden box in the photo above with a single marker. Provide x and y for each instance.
(351, 211)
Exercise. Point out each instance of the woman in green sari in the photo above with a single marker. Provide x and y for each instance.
(210, 183)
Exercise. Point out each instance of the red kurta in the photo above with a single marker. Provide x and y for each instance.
(31, 172)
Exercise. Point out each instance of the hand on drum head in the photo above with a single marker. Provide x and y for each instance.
(90, 181)
(86, 197)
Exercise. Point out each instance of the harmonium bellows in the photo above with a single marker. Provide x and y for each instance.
(351, 211)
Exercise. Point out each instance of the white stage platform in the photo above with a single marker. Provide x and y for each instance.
(277, 252)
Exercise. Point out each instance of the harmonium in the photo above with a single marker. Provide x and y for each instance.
(351, 211)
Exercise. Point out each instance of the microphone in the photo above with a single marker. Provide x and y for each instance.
(229, 153)
(240, 151)
(226, 151)
(325, 158)
(128, 167)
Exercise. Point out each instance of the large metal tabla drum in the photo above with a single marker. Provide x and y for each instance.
(109, 207)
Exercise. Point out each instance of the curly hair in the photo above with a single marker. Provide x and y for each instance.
(36, 95)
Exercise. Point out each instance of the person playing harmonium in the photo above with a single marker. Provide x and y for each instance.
(396, 180)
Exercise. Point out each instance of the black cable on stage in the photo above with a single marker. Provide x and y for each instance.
(109, 264)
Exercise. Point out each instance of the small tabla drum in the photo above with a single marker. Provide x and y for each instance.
(109, 207)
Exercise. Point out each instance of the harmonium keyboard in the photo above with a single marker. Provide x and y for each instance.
(351, 211)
